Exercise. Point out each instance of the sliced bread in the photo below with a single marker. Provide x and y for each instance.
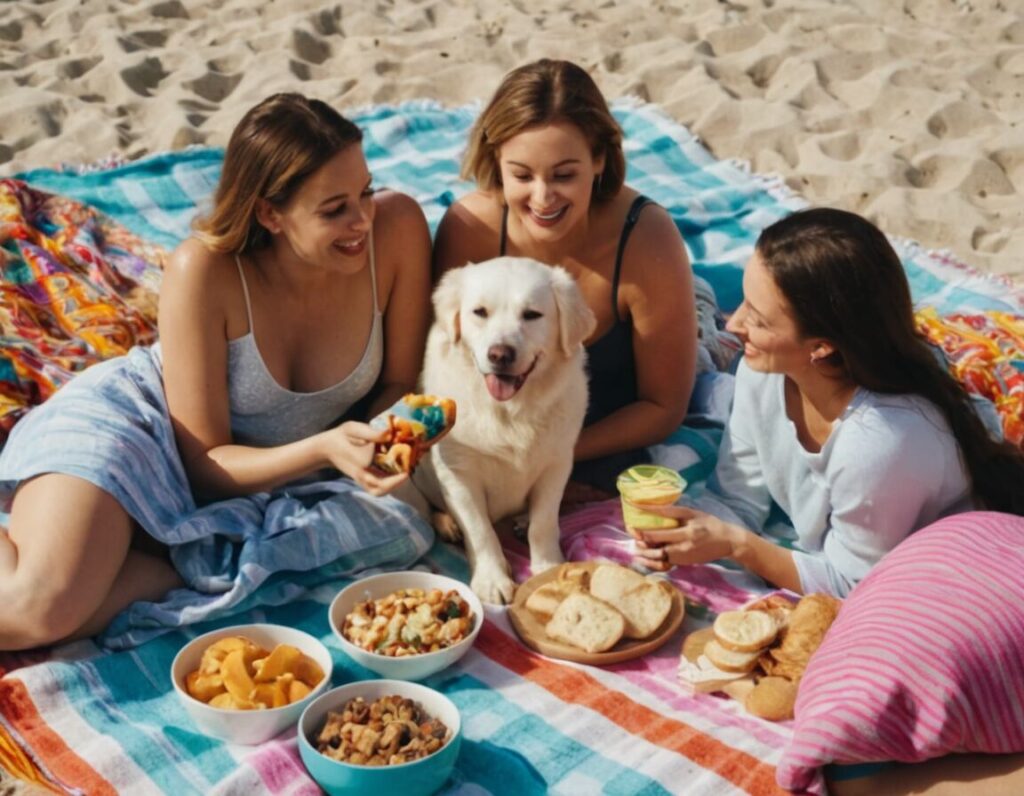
(729, 660)
(610, 581)
(545, 599)
(745, 631)
(586, 622)
(644, 608)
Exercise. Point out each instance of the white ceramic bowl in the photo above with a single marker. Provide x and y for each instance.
(411, 667)
(248, 726)
(417, 778)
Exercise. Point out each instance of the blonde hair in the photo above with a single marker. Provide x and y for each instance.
(540, 93)
(274, 148)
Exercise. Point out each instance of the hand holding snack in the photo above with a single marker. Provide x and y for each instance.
(350, 448)
(410, 426)
(700, 538)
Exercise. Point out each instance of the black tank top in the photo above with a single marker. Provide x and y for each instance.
(610, 363)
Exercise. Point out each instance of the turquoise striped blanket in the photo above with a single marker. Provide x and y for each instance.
(87, 720)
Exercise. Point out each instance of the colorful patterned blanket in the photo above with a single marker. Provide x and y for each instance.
(89, 721)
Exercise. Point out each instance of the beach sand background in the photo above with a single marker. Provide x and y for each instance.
(908, 111)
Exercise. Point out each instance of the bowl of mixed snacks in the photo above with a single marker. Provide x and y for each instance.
(380, 736)
(247, 683)
(406, 625)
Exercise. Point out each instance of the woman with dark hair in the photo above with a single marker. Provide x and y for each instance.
(843, 416)
(273, 320)
(546, 156)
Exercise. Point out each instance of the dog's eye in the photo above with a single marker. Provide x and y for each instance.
(480, 312)
(532, 315)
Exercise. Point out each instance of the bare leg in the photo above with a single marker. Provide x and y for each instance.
(61, 562)
(142, 577)
(992, 775)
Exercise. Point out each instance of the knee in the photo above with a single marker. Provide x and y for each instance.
(34, 620)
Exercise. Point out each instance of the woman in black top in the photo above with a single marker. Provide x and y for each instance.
(547, 158)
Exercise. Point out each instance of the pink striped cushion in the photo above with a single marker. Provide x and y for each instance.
(926, 657)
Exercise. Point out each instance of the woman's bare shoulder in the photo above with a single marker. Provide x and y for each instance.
(197, 274)
(469, 232)
(395, 207)
(656, 237)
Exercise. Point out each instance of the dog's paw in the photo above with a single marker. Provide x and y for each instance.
(543, 563)
(495, 588)
(446, 527)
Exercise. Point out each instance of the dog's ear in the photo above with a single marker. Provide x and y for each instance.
(576, 322)
(447, 301)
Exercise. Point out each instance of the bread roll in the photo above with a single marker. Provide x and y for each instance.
(745, 631)
(773, 698)
(729, 660)
(586, 622)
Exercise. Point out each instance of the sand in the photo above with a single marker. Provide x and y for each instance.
(910, 112)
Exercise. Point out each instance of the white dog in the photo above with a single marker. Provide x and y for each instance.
(507, 345)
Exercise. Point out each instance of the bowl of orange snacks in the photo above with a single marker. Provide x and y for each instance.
(247, 683)
(406, 625)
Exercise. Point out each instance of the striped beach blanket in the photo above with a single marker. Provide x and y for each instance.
(86, 720)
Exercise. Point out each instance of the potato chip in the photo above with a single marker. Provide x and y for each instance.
(236, 674)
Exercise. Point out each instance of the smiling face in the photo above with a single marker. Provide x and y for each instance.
(328, 220)
(772, 342)
(547, 176)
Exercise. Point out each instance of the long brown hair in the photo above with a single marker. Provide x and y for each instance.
(537, 94)
(845, 283)
(274, 148)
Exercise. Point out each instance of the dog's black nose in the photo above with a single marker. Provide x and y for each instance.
(501, 355)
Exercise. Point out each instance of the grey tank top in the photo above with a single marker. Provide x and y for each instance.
(265, 414)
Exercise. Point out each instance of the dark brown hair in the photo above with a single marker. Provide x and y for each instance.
(274, 148)
(845, 283)
(537, 94)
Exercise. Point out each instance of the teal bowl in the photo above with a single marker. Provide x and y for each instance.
(419, 778)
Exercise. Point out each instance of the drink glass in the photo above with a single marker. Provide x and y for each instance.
(648, 483)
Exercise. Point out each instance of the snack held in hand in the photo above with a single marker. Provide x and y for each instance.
(648, 483)
(238, 674)
(413, 424)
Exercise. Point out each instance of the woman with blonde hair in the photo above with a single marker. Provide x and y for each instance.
(303, 294)
(546, 156)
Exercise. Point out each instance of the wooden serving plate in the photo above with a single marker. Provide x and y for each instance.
(531, 629)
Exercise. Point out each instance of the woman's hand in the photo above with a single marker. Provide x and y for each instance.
(700, 537)
(350, 448)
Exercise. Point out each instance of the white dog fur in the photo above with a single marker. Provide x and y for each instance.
(507, 345)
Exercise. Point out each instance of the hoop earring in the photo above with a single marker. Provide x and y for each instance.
(597, 182)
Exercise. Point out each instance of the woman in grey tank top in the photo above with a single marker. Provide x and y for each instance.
(273, 322)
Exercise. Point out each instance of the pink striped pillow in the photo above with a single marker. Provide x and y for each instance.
(926, 657)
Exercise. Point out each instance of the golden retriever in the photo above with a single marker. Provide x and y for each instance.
(507, 345)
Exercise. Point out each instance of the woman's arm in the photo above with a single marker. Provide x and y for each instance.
(722, 522)
(703, 537)
(193, 341)
(657, 288)
(404, 245)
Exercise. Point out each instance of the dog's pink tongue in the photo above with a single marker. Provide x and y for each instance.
(500, 389)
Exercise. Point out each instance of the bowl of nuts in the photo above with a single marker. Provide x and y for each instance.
(406, 625)
(380, 736)
(247, 683)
